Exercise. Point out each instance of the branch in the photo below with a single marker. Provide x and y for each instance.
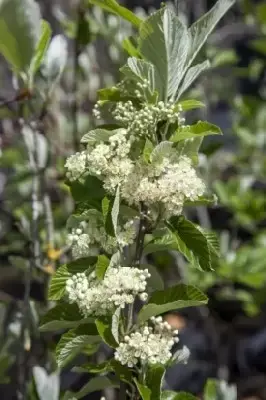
(34, 258)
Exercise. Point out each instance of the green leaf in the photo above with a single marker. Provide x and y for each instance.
(20, 25)
(91, 188)
(122, 372)
(162, 150)
(201, 128)
(74, 341)
(202, 244)
(93, 368)
(105, 207)
(101, 266)
(99, 135)
(148, 148)
(190, 104)
(129, 46)
(62, 316)
(210, 390)
(113, 7)
(47, 386)
(175, 297)
(164, 41)
(169, 395)
(115, 209)
(104, 326)
(155, 281)
(143, 390)
(58, 283)
(202, 28)
(190, 148)
(41, 49)
(191, 75)
(140, 70)
(94, 385)
(154, 379)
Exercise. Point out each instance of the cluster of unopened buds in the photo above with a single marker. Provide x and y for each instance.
(150, 344)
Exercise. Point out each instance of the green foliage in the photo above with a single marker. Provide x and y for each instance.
(85, 337)
(113, 7)
(58, 282)
(62, 316)
(20, 30)
(175, 297)
(204, 246)
(199, 129)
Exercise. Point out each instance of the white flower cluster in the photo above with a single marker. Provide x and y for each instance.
(119, 287)
(169, 184)
(143, 122)
(150, 344)
(85, 240)
(89, 236)
(111, 161)
(76, 166)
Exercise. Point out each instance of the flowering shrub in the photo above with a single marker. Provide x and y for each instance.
(131, 183)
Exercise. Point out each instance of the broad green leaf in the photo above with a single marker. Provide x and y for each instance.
(74, 341)
(154, 380)
(113, 7)
(58, 283)
(105, 207)
(62, 316)
(55, 59)
(162, 150)
(219, 390)
(175, 297)
(143, 390)
(201, 29)
(91, 188)
(47, 386)
(140, 70)
(164, 41)
(191, 75)
(169, 395)
(93, 368)
(101, 266)
(155, 281)
(121, 371)
(190, 148)
(104, 326)
(203, 245)
(186, 252)
(148, 148)
(20, 27)
(206, 200)
(190, 104)
(115, 209)
(94, 385)
(41, 49)
(98, 135)
(201, 128)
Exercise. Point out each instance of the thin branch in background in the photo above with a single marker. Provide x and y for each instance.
(75, 85)
(34, 259)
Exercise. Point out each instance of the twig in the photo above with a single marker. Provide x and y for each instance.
(34, 259)
(75, 86)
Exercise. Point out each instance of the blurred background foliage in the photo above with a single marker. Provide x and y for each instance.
(227, 338)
